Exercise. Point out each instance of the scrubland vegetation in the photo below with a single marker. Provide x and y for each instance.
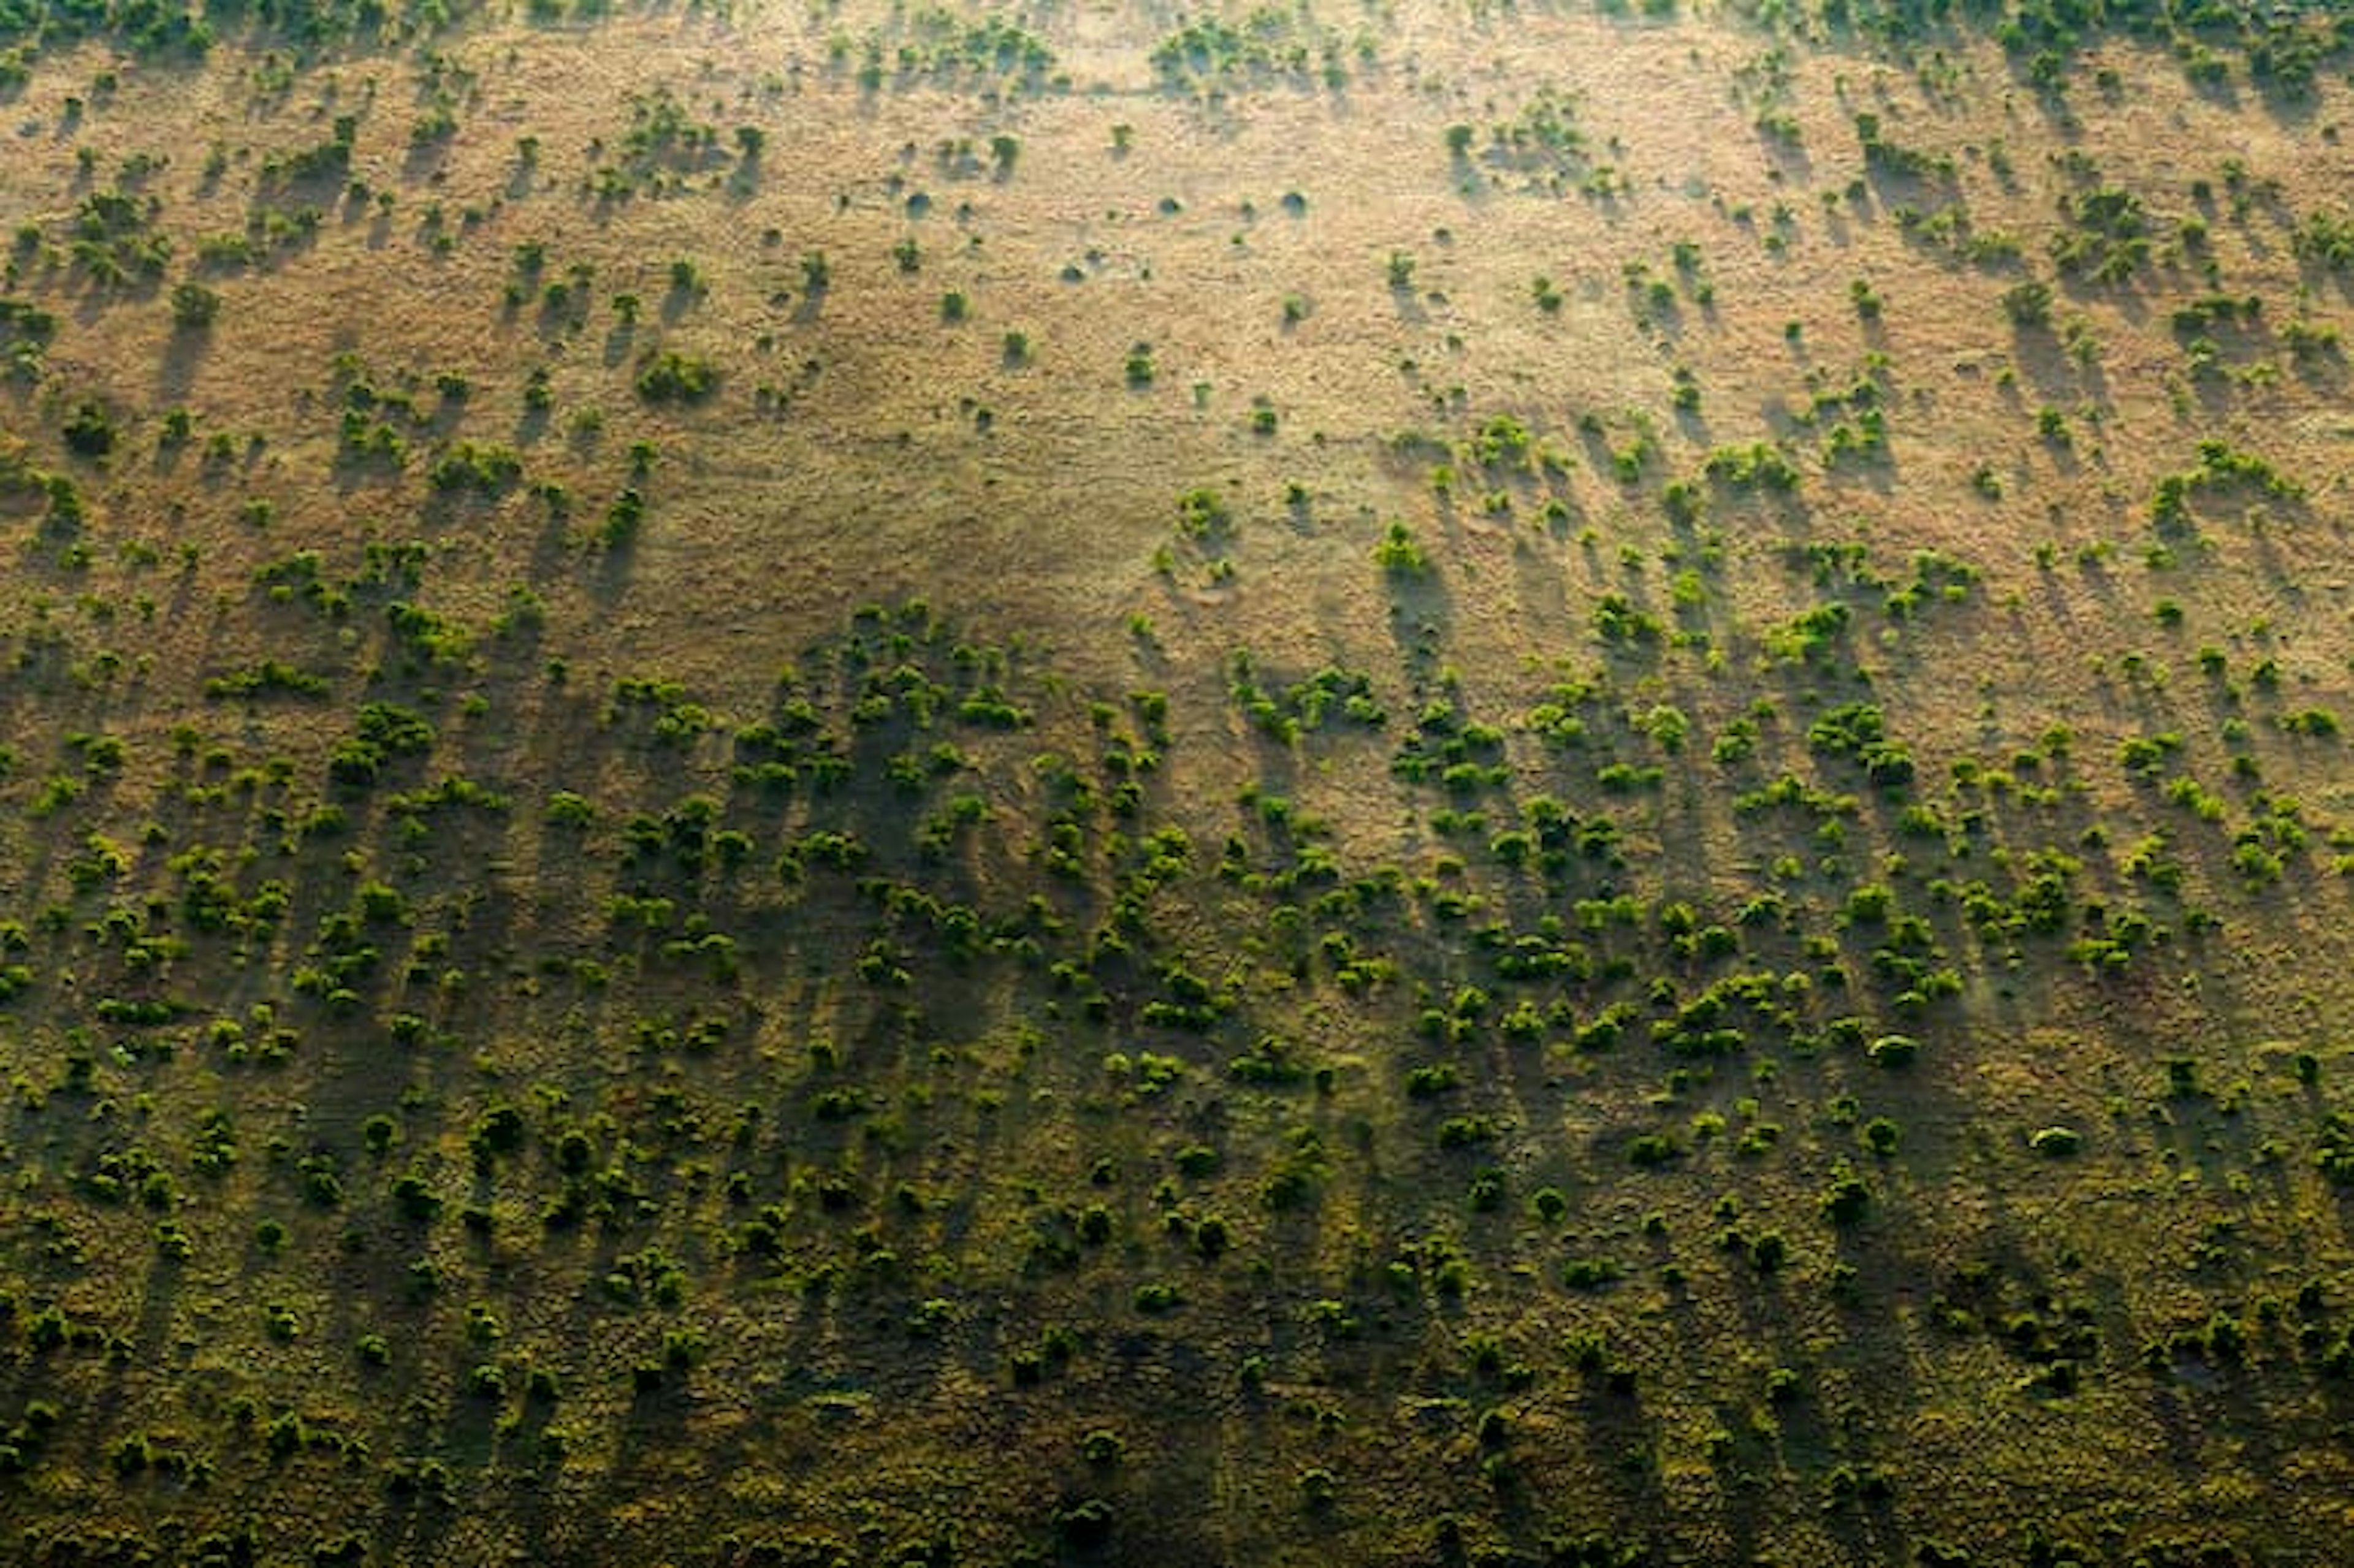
(968, 784)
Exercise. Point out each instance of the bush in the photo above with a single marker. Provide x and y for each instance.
(2055, 1142)
(1589, 1273)
(1399, 555)
(1893, 1051)
(1847, 1199)
(2029, 303)
(1652, 1149)
(1466, 1132)
(485, 468)
(194, 307)
(567, 809)
(415, 1199)
(88, 431)
(671, 377)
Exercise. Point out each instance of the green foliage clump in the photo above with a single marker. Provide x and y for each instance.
(384, 731)
(671, 377)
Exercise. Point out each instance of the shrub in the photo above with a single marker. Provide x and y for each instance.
(1652, 1149)
(88, 431)
(1399, 555)
(483, 468)
(1847, 1199)
(415, 1199)
(1203, 514)
(194, 306)
(567, 809)
(1589, 1273)
(671, 377)
(384, 731)
(1466, 1132)
(2333, 1153)
(1893, 1051)
(2028, 304)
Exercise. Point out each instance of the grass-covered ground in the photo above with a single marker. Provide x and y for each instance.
(1440, 783)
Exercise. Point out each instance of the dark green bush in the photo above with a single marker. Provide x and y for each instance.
(671, 377)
